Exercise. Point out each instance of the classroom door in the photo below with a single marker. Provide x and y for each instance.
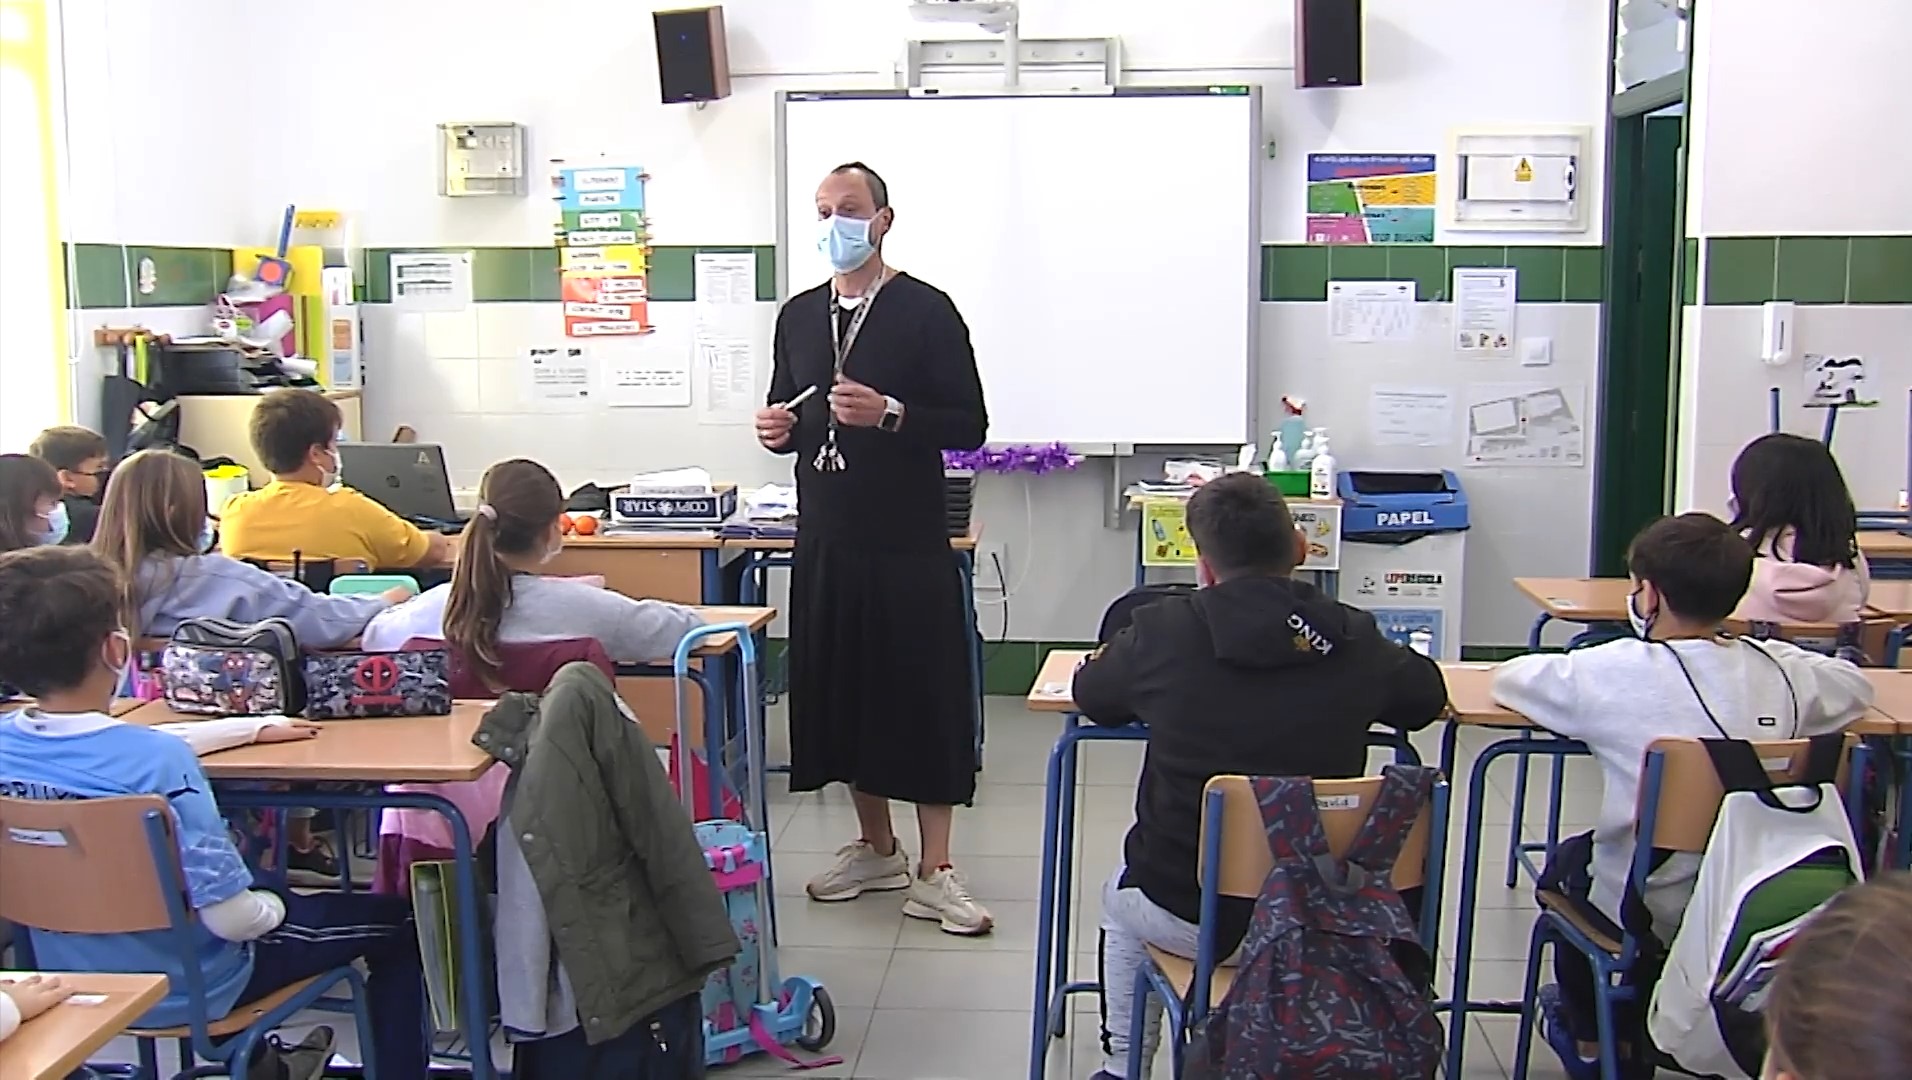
(1639, 332)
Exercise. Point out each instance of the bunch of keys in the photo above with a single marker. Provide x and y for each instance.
(829, 458)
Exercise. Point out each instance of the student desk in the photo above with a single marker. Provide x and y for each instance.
(653, 683)
(1577, 600)
(760, 555)
(1471, 702)
(57, 1042)
(409, 749)
(1889, 551)
(1050, 1005)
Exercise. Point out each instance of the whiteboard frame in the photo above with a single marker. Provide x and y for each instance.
(1253, 267)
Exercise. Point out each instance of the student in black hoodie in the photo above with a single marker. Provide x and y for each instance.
(1254, 673)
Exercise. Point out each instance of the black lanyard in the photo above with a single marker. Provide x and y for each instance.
(842, 340)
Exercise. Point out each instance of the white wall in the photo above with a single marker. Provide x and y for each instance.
(585, 85)
(1796, 110)
(1793, 134)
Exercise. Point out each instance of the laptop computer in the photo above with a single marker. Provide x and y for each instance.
(409, 479)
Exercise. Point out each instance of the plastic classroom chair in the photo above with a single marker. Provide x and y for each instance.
(116, 871)
(1235, 861)
(1680, 795)
(361, 584)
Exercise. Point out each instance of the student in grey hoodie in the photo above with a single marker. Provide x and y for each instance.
(496, 595)
(155, 532)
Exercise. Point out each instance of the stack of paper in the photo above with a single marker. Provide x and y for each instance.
(1745, 984)
(672, 482)
(771, 502)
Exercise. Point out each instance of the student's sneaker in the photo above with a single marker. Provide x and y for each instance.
(1553, 1028)
(944, 897)
(859, 869)
(305, 1061)
(317, 865)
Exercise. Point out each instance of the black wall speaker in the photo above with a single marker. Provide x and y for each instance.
(1327, 43)
(692, 62)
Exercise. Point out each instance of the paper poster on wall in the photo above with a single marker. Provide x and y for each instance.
(1836, 380)
(726, 370)
(1484, 312)
(431, 280)
(1320, 522)
(603, 259)
(559, 374)
(1370, 199)
(1411, 416)
(1362, 312)
(644, 372)
(1165, 539)
(1535, 424)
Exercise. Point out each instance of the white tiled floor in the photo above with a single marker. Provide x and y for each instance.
(914, 1003)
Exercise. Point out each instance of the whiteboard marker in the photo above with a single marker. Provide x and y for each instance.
(800, 398)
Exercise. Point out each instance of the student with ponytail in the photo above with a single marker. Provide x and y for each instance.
(497, 596)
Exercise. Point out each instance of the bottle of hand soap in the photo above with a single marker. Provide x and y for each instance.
(1306, 455)
(1321, 471)
(1277, 458)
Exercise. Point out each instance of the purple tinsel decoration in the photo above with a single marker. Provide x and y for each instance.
(1013, 459)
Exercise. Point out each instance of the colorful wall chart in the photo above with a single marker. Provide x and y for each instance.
(604, 258)
(1370, 198)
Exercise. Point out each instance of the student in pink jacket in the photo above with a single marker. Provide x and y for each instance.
(1791, 503)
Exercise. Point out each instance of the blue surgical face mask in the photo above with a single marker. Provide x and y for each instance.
(845, 241)
(1642, 624)
(207, 534)
(56, 525)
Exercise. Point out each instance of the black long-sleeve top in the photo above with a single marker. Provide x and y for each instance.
(913, 346)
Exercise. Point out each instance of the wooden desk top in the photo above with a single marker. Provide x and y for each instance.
(754, 618)
(1885, 544)
(774, 543)
(1051, 690)
(1891, 599)
(58, 1041)
(653, 540)
(1471, 699)
(392, 750)
(1579, 599)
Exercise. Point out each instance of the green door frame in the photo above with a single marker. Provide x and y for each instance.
(1646, 271)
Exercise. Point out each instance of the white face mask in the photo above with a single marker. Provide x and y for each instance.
(1642, 624)
(119, 670)
(555, 549)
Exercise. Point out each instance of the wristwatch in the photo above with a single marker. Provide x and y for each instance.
(892, 414)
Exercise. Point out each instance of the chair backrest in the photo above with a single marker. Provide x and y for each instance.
(314, 574)
(364, 584)
(1690, 789)
(83, 866)
(528, 666)
(1343, 807)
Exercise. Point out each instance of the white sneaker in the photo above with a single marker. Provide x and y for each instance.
(945, 898)
(859, 869)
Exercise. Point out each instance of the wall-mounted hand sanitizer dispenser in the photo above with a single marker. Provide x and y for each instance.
(483, 158)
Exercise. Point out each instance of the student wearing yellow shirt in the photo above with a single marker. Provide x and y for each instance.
(295, 433)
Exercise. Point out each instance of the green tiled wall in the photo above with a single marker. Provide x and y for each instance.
(503, 274)
(1548, 274)
(1009, 667)
(1808, 269)
(107, 275)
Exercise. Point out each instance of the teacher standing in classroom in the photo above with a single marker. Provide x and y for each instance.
(880, 692)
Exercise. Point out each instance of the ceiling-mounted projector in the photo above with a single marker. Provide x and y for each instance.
(993, 16)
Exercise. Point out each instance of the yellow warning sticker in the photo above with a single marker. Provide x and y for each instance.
(1523, 172)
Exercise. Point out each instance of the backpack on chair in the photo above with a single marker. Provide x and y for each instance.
(1333, 984)
(1778, 851)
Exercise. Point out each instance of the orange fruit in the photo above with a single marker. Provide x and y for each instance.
(566, 523)
(586, 525)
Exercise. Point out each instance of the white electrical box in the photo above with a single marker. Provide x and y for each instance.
(1520, 180)
(484, 158)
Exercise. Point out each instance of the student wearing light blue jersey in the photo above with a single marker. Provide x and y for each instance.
(63, 642)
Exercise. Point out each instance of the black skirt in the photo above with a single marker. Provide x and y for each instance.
(880, 690)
